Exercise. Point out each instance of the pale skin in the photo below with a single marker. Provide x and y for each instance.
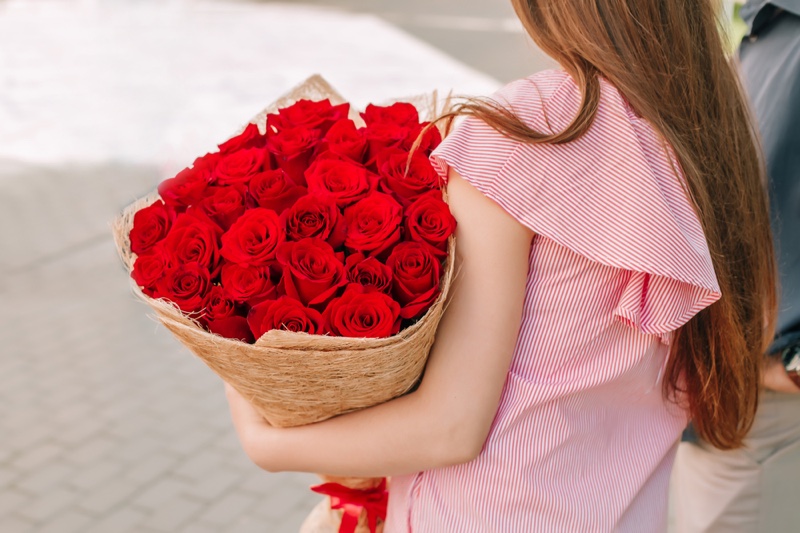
(447, 419)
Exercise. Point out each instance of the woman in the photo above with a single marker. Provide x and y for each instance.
(616, 280)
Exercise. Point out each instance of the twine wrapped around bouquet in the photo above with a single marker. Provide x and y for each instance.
(294, 379)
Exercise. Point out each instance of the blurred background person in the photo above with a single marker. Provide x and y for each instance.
(754, 489)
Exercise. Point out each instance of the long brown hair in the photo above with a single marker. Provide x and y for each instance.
(667, 58)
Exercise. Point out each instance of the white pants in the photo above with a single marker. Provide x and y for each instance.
(755, 489)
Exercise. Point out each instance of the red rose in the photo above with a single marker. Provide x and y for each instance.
(369, 272)
(373, 224)
(220, 316)
(430, 139)
(389, 127)
(293, 148)
(149, 268)
(247, 284)
(186, 188)
(187, 285)
(381, 137)
(194, 238)
(232, 327)
(224, 205)
(308, 114)
(429, 220)
(344, 139)
(237, 168)
(150, 225)
(346, 182)
(206, 164)
(251, 137)
(287, 314)
(312, 273)
(406, 179)
(417, 273)
(363, 313)
(217, 305)
(274, 190)
(399, 114)
(253, 238)
(315, 216)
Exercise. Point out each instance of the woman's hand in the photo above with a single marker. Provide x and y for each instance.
(774, 377)
(254, 432)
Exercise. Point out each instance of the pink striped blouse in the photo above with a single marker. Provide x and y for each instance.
(583, 439)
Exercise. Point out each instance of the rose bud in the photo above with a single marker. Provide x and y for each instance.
(312, 272)
(315, 216)
(253, 239)
(417, 273)
(150, 225)
(287, 314)
(149, 268)
(186, 285)
(406, 179)
(224, 205)
(232, 327)
(292, 149)
(251, 137)
(346, 182)
(308, 114)
(194, 238)
(344, 139)
(237, 168)
(363, 313)
(250, 285)
(272, 189)
(186, 188)
(373, 224)
(429, 220)
(369, 272)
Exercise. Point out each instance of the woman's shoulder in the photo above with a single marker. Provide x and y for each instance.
(530, 97)
(549, 100)
(539, 87)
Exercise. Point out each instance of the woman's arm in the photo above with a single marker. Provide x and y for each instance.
(446, 420)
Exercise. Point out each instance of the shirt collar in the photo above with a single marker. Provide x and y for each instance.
(756, 13)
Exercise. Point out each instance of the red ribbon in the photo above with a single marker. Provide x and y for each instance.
(354, 501)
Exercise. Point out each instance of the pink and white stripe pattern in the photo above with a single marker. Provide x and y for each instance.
(583, 440)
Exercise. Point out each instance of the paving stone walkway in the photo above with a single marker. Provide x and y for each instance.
(107, 424)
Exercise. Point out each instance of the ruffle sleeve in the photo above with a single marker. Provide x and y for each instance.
(614, 196)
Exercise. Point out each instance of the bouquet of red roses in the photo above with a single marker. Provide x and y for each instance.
(306, 262)
(315, 226)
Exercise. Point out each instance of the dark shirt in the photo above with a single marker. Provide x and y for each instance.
(770, 62)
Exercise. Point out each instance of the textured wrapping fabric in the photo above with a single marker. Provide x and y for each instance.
(583, 439)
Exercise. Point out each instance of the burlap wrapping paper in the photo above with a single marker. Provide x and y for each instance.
(294, 379)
